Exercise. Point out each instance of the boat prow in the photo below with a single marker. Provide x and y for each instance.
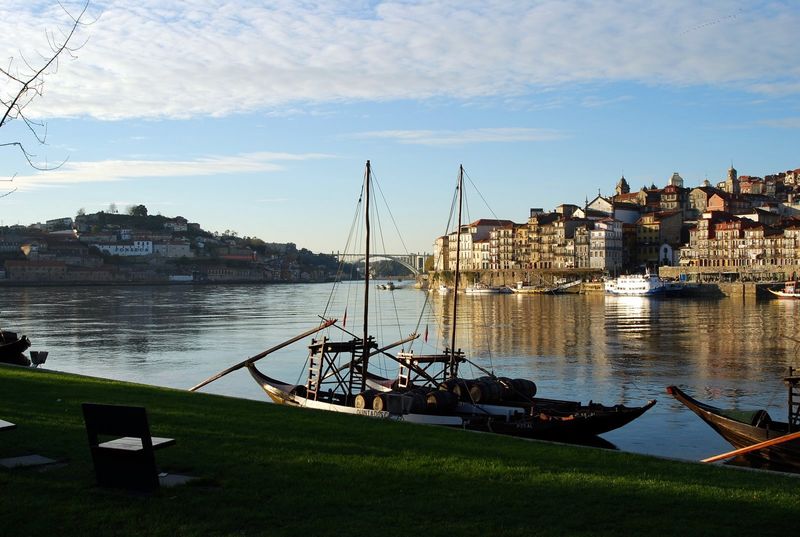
(744, 428)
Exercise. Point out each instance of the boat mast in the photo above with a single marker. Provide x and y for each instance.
(365, 341)
(460, 188)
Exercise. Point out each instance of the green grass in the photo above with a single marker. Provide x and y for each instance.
(270, 470)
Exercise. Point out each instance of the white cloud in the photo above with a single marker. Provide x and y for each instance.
(181, 59)
(444, 137)
(119, 170)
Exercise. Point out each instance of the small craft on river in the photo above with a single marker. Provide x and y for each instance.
(790, 290)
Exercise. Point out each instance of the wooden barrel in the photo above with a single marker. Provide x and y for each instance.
(460, 387)
(416, 401)
(365, 399)
(440, 401)
(508, 387)
(524, 389)
(379, 401)
(486, 391)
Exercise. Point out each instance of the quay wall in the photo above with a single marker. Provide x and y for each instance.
(750, 285)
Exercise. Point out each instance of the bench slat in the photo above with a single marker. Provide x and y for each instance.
(132, 443)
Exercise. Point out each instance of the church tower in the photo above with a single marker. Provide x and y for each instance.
(622, 187)
(676, 180)
(732, 182)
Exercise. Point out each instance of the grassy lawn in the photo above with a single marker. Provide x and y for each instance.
(270, 470)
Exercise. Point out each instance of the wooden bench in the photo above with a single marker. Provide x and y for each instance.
(127, 461)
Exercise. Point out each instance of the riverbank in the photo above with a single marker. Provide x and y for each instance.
(273, 470)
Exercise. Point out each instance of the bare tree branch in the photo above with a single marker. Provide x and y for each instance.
(26, 80)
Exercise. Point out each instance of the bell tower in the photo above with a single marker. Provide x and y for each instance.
(732, 182)
(622, 186)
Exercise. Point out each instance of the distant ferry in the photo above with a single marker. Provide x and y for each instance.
(635, 285)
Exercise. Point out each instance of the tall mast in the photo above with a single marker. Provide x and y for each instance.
(365, 356)
(458, 264)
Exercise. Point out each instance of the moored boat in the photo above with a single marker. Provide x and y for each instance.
(790, 290)
(744, 428)
(522, 288)
(635, 285)
(483, 289)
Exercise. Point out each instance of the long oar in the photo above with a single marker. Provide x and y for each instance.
(754, 447)
(257, 357)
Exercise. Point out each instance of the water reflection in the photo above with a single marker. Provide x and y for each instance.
(609, 349)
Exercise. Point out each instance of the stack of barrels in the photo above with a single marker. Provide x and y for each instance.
(483, 390)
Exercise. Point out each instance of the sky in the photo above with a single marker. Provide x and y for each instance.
(258, 117)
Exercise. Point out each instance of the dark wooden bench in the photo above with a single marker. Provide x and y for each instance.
(127, 461)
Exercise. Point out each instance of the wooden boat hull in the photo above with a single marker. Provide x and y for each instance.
(288, 394)
(561, 420)
(784, 294)
(550, 419)
(741, 434)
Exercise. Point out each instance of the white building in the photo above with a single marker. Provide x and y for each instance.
(133, 248)
(605, 245)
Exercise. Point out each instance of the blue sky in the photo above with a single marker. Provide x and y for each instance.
(258, 117)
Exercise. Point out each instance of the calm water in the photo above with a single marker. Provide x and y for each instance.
(580, 347)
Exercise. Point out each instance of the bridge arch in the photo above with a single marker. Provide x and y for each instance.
(409, 261)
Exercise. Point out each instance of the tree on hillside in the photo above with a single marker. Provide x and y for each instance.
(23, 81)
(137, 210)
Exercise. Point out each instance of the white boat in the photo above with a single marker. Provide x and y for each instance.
(791, 289)
(635, 285)
(524, 289)
(443, 289)
(483, 289)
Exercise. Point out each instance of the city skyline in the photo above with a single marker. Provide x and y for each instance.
(260, 119)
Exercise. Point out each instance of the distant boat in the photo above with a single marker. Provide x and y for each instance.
(483, 289)
(524, 289)
(389, 286)
(635, 285)
(564, 286)
(791, 289)
(443, 289)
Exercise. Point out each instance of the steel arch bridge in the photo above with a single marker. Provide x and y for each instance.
(413, 262)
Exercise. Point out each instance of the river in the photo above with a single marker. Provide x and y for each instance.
(612, 350)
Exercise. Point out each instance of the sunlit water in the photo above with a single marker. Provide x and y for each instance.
(580, 347)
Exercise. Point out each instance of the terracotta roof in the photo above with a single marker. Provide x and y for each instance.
(491, 222)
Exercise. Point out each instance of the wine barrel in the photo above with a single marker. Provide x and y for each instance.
(379, 401)
(524, 389)
(460, 387)
(365, 399)
(416, 401)
(508, 387)
(441, 402)
(486, 391)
